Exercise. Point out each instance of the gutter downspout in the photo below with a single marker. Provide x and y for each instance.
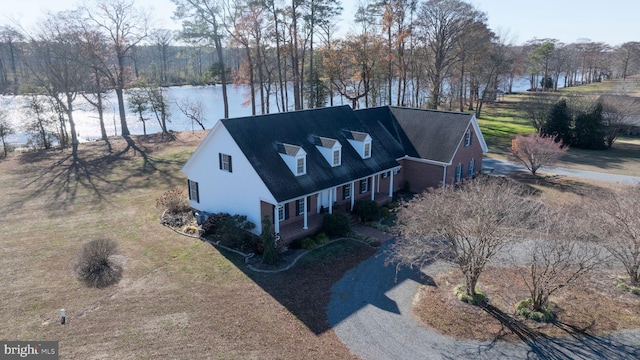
(444, 177)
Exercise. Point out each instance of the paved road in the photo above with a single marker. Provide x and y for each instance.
(504, 167)
(371, 314)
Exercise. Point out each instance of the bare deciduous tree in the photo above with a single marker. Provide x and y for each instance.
(192, 110)
(203, 20)
(534, 151)
(618, 115)
(125, 26)
(618, 227)
(469, 225)
(536, 108)
(442, 24)
(5, 130)
(559, 257)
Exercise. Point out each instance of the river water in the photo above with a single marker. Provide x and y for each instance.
(87, 123)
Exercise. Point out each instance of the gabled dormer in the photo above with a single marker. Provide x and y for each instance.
(331, 150)
(361, 142)
(295, 157)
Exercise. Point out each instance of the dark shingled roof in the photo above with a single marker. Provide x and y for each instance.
(261, 137)
(395, 132)
(427, 134)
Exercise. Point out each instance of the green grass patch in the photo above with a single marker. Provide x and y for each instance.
(460, 292)
(622, 284)
(523, 308)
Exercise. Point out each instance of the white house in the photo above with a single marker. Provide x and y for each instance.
(292, 167)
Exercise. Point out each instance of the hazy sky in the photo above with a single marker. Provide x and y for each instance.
(610, 21)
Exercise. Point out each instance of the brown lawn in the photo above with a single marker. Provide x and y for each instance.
(179, 297)
(182, 298)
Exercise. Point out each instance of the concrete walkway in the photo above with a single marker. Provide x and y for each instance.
(371, 314)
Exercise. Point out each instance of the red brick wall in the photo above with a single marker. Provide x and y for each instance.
(463, 156)
(421, 176)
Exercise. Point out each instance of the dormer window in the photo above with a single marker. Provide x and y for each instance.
(295, 157)
(331, 150)
(301, 167)
(361, 142)
(336, 157)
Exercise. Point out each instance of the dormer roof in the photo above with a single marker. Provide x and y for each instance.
(289, 149)
(326, 142)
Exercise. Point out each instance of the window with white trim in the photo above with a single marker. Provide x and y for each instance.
(301, 166)
(281, 212)
(367, 150)
(336, 157)
(193, 190)
(468, 138)
(225, 162)
(346, 191)
(300, 207)
(364, 185)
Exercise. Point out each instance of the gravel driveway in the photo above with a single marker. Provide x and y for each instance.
(371, 314)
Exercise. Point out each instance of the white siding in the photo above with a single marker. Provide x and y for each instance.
(236, 192)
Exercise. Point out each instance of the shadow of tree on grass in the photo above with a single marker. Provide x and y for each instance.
(95, 174)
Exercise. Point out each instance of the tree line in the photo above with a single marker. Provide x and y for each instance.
(439, 54)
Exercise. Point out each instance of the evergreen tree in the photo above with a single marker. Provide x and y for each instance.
(270, 254)
(589, 130)
(558, 122)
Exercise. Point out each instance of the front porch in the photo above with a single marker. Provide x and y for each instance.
(294, 230)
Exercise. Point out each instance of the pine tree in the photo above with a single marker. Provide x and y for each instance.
(589, 130)
(558, 122)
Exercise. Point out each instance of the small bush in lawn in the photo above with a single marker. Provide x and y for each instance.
(322, 239)
(366, 210)
(460, 292)
(524, 309)
(98, 264)
(622, 285)
(335, 224)
(308, 243)
(174, 201)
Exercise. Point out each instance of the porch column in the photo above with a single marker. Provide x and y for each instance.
(276, 219)
(331, 200)
(373, 188)
(352, 193)
(305, 226)
(391, 183)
